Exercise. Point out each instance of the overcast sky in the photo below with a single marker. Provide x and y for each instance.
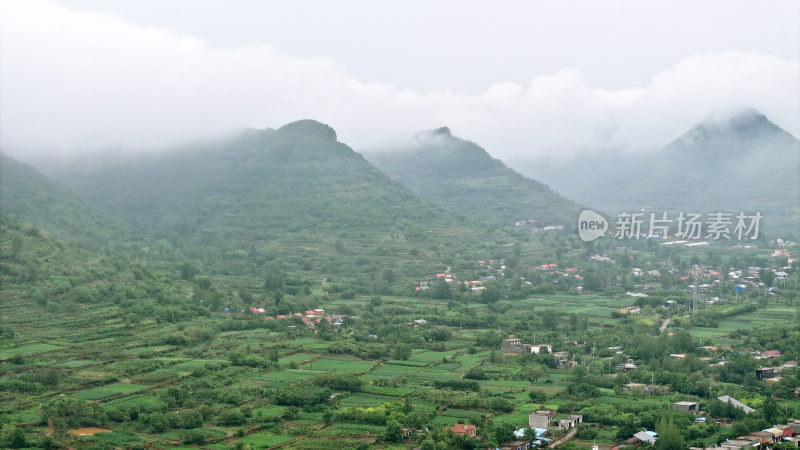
(518, 77)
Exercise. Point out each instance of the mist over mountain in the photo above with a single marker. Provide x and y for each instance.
(743, 162)
(293, 198)
(462, 176)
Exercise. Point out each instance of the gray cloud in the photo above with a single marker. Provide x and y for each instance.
(76, 81)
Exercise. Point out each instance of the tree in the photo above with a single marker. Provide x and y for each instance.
(549, 319)
(188, 271)
(407, 405)
(669, 436)
(537, 396)
(492, 292)
(441, 290)
(12, 437)
(394, 430)
(770, 410)
(402, 352)
(767, 277)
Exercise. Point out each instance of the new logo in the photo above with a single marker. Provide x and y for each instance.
(591, 225)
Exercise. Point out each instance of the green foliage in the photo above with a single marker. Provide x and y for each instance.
(402, 352)
(12, 437)
(306, 395)
(459, 385)
(339, 382)
(669, 436)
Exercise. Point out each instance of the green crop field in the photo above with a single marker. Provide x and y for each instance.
(264, 440)
(25, 350)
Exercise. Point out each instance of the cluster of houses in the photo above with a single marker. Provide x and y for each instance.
(492, 270)
(535, 225)
(772, 374)
(694, 407)
(310, 317)
(553, 268)
(540, 421)
(516, 346)
(788, 432)
(637, 272)
(601, 258)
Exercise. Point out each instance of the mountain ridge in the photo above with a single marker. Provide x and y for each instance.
(461, 175)
(740, 162)
(294, 198)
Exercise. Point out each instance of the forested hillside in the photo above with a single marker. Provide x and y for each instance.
(462, 176)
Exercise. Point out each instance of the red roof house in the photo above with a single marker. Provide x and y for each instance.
(469, 430)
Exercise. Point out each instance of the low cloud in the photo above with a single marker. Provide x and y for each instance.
(76, 81)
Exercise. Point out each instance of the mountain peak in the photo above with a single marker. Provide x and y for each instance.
(310, 127)
(746, 125)
(442, 131)
(438, 135)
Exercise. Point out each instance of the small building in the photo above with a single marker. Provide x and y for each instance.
(736, 403)
(541, 418)
(469, 430)
(764, 437)
(647, 389)
(511, 345)
(545, 348)
(646, 436)
(777, 434)
(570, 422)
(687, 407)
(515, 445)
(562, 358)
(741, 443)
(633, 387)
(787, 430)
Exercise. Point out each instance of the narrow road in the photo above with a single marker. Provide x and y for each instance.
(664, 325)
(569, 436)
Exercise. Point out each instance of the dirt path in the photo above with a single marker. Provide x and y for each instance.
(569, 436)
(664, 325)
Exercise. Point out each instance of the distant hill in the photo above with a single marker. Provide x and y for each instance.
(462, 176)
(742, 163)
(30, 196)
(293, 199)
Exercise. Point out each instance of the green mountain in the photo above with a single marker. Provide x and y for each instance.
(293, 200)
(742, 163)
(462, 176)
(27, 194)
